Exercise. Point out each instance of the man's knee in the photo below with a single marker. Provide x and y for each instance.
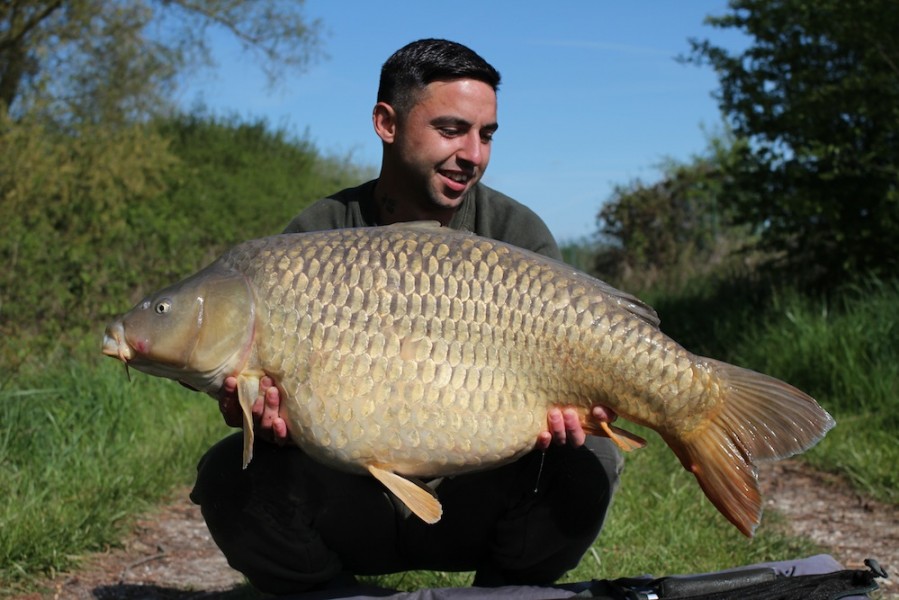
(220, 479)
(609, 458)
(583, 486)
(559, 518)
(262, 526)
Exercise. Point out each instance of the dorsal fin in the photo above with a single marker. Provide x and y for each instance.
(627, 301)
(419, 225)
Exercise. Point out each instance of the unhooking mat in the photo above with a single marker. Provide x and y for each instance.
(818, 577)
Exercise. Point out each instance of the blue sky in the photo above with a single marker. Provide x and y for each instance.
(592, 95)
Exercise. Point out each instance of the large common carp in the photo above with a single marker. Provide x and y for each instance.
(415, 350)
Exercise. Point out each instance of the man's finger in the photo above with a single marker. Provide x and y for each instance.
(229, 386)
(279, 430)
(556, 425)
(271, 403)
(575, 431)
(544, 440)
(603, 413)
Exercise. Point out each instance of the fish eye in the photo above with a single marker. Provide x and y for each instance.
(163, 306)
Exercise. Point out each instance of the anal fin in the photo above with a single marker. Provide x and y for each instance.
(624, 439)
(418, 498)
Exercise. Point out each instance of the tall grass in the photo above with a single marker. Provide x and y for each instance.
(842, 349)
(845, 352)
(81, 450)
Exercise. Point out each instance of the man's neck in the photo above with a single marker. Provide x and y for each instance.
(392, 208)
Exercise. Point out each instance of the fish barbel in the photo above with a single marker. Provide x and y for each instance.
(418, 351)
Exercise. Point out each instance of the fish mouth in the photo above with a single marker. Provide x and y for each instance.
(114, 343)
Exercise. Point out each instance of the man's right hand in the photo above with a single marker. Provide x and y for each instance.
(270, 426)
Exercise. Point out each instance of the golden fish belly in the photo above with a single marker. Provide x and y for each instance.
(435, 354)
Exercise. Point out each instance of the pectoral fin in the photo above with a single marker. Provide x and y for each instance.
(418, 498)
(247, 392)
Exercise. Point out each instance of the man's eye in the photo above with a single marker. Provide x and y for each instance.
(486, 138)
(449, 131)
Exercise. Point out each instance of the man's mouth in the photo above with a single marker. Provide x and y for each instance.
(457, 179)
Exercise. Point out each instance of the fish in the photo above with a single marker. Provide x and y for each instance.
(415, 351)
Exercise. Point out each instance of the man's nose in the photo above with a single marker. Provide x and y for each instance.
(473, 150)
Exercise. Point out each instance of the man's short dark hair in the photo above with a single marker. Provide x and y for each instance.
(419, 63)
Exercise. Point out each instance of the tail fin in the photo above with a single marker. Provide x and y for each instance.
(762, 418)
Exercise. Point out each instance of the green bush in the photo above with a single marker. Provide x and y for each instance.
(65, 198)
(93, 219)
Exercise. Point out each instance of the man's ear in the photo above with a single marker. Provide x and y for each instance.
(383, 117)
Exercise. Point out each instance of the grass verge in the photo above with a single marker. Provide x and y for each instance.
(845, 352)
(82, 450)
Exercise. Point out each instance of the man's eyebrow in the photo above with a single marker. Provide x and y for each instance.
(449, 120)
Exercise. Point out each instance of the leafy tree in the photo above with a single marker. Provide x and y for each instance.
(85, 168)
(816, 93)
(96, 59)
(662, 234)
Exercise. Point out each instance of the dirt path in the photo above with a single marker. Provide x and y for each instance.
(171, 556)
(825, 509)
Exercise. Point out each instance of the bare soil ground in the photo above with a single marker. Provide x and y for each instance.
(827, 510)
(170, 556)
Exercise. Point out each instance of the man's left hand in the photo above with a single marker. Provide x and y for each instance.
(564, 426)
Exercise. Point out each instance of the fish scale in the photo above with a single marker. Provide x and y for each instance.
(416, 350)
(400, 358)
(399, 317)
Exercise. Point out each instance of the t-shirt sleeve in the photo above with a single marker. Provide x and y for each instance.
(507, 220)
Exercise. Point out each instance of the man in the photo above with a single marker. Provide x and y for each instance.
(290, 524)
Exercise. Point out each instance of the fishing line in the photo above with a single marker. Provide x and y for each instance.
(540, 471)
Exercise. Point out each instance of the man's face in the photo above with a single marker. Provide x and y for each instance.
(444, 141)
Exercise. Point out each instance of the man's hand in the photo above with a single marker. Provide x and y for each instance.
(266, 410)
(564, 426)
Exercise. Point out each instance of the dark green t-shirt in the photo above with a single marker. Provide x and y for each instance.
(484, 211)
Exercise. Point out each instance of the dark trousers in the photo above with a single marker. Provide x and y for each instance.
(291, 524)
